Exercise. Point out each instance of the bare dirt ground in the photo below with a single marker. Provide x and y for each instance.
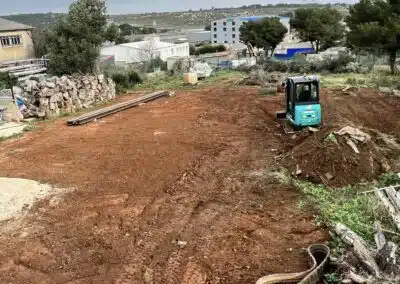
(173, 191)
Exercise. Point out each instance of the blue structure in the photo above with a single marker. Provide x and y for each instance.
(257, 18)
(291, 52)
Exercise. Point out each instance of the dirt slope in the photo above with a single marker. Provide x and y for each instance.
(317, 157)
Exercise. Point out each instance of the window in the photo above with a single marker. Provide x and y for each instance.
(215, 36)
(215, 41)
(225, 41)
(233, 23)
(215, 29)
(233, 29)
(10, 40)
(215, 23)
(233, 41)
(233, 36)
(224, 23)
(306, 92)
(224, 29)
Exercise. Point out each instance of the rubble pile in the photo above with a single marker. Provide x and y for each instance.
(260, 77)
(49, 97)
(362, 262)
(341, 156)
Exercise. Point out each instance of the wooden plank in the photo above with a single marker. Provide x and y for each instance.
(391, 193)
(380, 239)
(30, 72)
(19, 67)
(381, 194)
(115, 108)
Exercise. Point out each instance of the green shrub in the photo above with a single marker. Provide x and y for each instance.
(299, 64)
(345, 205)
(385, 81)
(268, 91)
(126, 80)
(192, 50)
(154, 64)
(133, 78)
(271, 65)
(210, 49)
(343, 62)
(389, 179)
(337, 64)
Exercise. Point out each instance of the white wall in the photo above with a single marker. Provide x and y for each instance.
(180, 50)
(126, 54)
(228, 30)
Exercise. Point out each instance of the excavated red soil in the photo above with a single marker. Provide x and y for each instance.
(335, 163)
(173, 191)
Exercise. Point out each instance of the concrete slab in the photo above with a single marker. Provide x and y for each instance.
(11, 128)
(12, 113)
(18, 194)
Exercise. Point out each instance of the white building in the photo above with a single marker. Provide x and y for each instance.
(141, 51)
(227, 31)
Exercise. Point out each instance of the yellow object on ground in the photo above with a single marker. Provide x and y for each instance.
(190, 78)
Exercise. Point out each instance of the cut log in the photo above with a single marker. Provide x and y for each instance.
(359, 248)
(381, 194)
(380, 239)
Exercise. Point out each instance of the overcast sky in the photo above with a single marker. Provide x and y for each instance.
(131, 6)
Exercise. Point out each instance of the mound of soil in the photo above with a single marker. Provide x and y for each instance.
(321, 158)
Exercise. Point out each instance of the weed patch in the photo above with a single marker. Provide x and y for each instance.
(268, 91)
(5, 138)
(347, 205)
(176, 82)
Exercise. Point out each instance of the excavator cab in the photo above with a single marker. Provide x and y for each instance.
(302, 102)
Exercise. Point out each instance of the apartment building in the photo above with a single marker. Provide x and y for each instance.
(227, 31)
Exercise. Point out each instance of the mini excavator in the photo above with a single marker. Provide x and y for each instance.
(303, 108)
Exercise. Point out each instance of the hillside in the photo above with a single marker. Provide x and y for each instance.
(37, 20)
(201, 18)
(198, 18)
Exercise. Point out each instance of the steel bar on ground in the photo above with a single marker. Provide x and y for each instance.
(115, 108)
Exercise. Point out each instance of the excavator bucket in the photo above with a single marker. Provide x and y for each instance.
(281, 115)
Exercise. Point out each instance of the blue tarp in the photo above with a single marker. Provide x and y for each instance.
(291, 52)
(225, 64)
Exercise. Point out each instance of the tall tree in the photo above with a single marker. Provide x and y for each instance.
(74, 42)
(39, 37)
(320, 26)
(113, 34)
(266, 34)
(126, 29)
(375, 27)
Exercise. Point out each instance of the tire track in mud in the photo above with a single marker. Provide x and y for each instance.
(136, 203)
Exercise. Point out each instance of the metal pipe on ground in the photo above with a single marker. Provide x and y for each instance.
(85, 118)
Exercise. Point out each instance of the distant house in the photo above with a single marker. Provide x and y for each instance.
(15, 41)
(141, 51)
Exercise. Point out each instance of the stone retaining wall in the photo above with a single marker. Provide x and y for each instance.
(49, 97)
